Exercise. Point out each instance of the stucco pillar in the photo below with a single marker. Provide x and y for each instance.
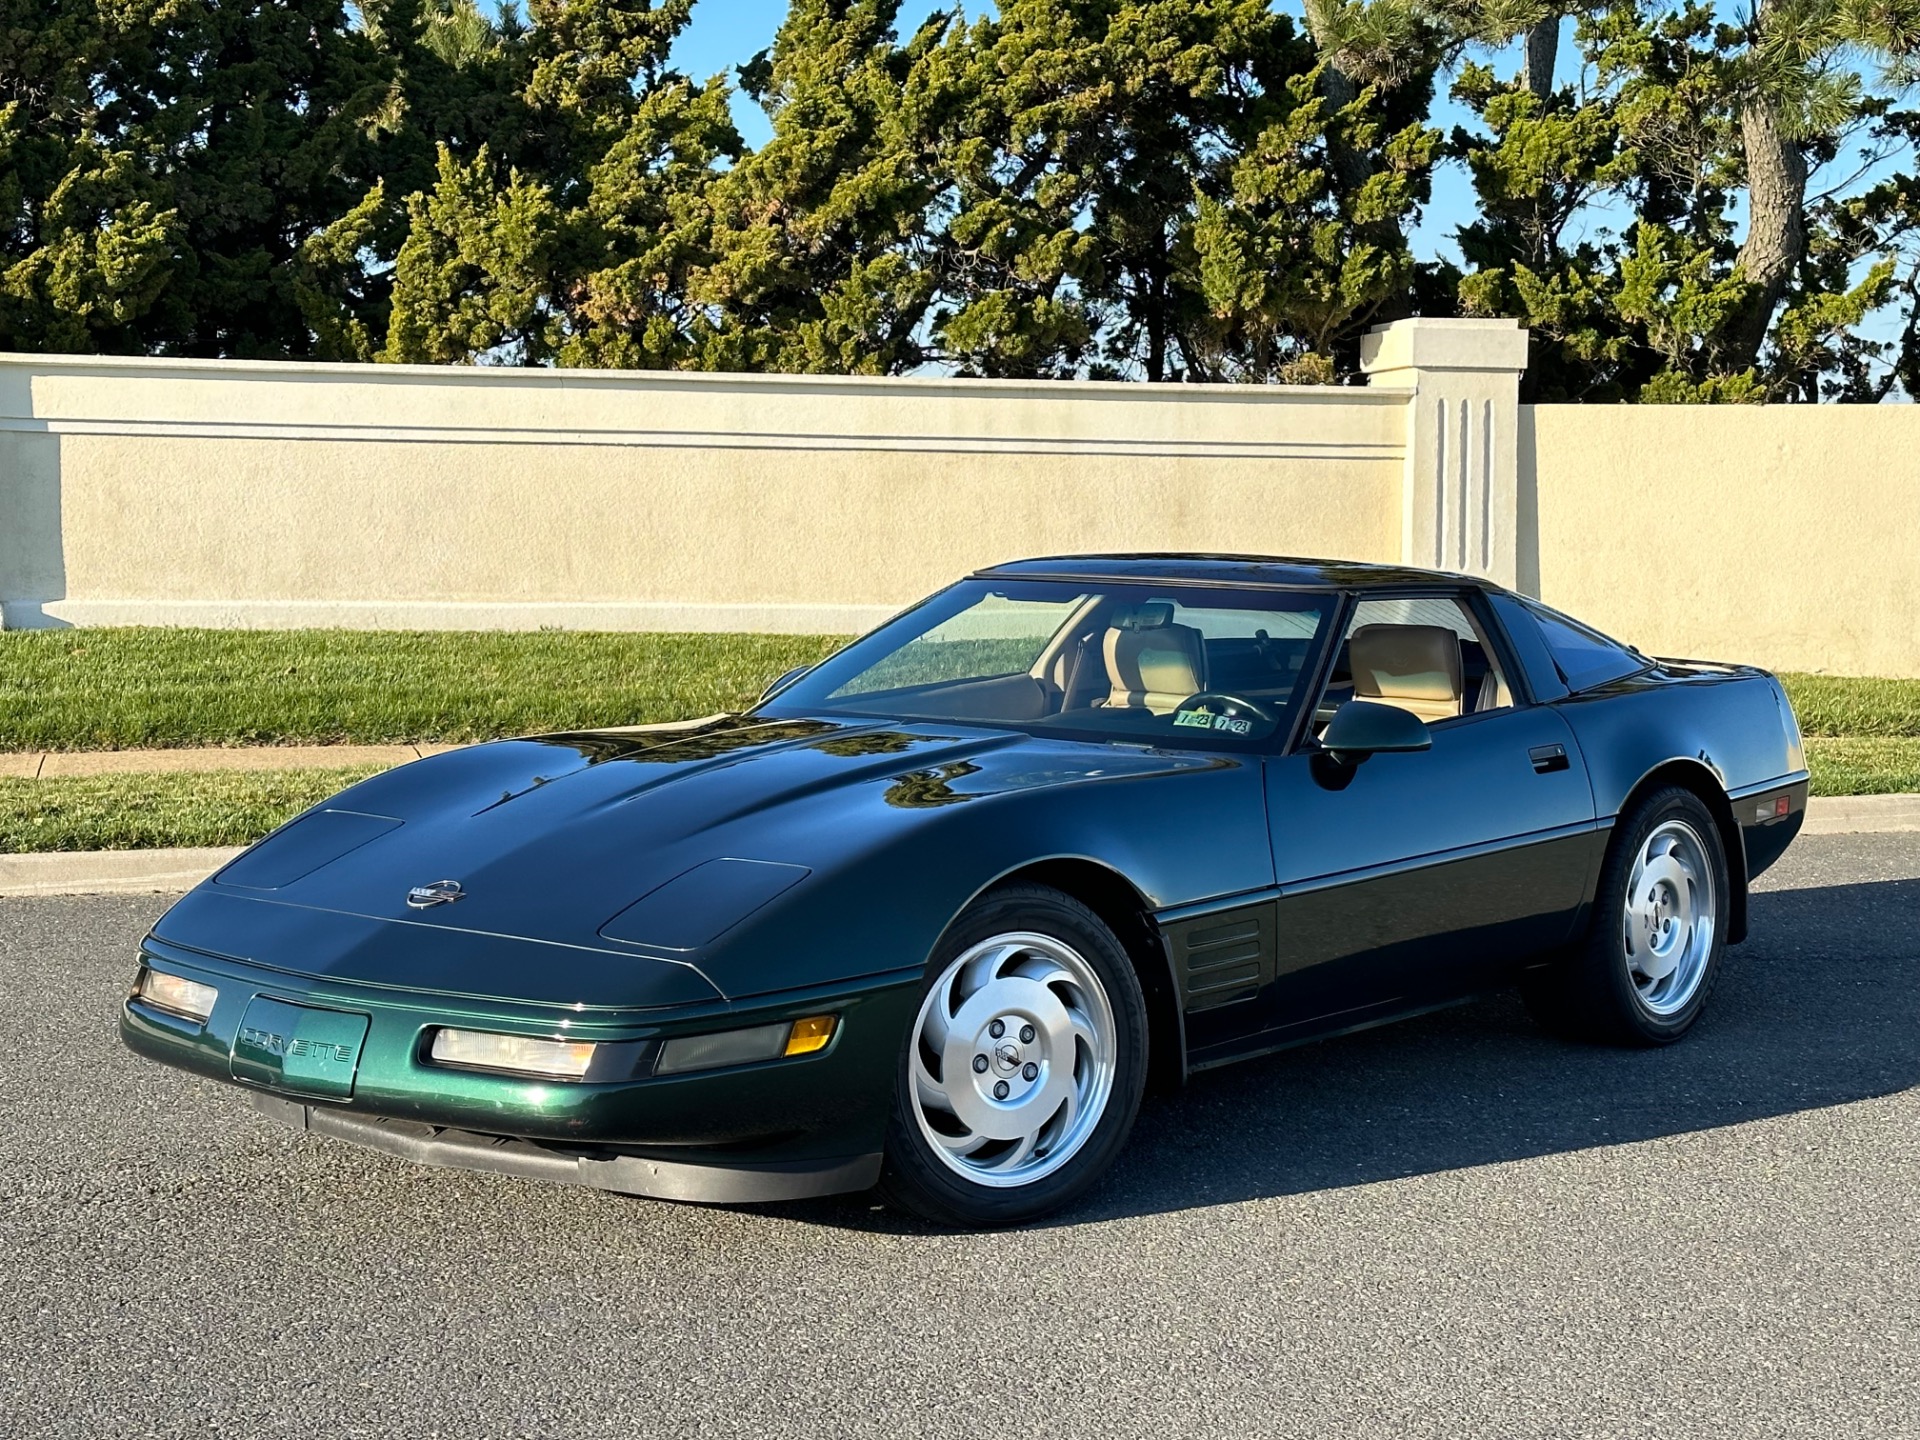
(1460, 496)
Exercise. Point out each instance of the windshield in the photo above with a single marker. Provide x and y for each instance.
(1171, 665)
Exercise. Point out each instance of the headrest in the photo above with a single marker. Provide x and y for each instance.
(1405, 662)
(1150, 615)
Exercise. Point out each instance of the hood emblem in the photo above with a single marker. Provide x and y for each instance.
(440, 892)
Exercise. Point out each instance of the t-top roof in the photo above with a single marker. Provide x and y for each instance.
(1228, 570)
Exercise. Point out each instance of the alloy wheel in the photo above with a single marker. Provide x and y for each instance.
(1013, 1059)
(1669, 917)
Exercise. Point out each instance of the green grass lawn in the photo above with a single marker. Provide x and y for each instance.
(1845, 705)
(139, 812)
(122, 689)
(1863, 735)
(1864, 765)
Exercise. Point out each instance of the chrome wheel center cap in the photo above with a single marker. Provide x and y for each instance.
(1006, 1058)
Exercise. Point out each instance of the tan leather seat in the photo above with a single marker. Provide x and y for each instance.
(1416, 667)
(1154, 666)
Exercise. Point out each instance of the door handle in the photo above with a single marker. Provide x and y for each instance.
(1549, 758)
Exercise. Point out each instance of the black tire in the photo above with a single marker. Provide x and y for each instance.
(1590, 992)
(916, 1178)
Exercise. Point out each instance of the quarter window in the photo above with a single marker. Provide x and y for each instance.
(1583, 656)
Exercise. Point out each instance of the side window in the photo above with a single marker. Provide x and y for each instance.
(1584, 657)
(1424, 654)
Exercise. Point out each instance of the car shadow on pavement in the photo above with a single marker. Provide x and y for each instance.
(1820, 1008)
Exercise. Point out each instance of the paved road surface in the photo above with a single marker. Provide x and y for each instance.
(1453, 1227)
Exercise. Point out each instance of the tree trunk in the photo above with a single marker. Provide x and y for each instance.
(1350, 167)
(1156, 322)
(1543, 49)
(1776, 227)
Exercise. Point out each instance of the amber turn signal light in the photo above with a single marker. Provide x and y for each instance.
(810, 1034)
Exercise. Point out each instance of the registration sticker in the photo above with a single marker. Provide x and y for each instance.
(1206, 720)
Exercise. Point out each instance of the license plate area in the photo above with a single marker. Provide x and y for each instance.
(298, 1048)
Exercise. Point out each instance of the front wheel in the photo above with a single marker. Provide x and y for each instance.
(1024, 1066)
(1650, 958)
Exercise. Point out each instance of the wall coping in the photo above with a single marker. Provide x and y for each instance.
(1432, 344)
(114, 366)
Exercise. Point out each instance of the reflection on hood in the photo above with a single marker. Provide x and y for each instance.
(925, 789)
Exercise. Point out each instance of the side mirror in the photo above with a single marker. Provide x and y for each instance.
(785, 680)
(1360, 728)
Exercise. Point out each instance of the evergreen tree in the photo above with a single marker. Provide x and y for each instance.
(1717, 205)
(826, 252)
(575, 247)
(88, 240)
(1674, 305)
(257, 118)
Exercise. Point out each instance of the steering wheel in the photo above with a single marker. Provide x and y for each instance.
(1202, 711)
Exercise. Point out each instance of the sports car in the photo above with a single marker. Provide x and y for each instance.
(933, 914)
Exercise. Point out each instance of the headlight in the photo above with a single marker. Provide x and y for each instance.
(745, 1047)
(515, 1054)
(179, 996)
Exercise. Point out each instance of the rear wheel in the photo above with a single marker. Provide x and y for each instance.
(1652, 952)
(1024, 1066)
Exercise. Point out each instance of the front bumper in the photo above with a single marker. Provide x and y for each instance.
(705, 1184)
(784, 1128)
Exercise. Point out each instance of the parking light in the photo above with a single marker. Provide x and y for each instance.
(176, 995)
(745, 1047)
(810, 1034)
(513, 1054)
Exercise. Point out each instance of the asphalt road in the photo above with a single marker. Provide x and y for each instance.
(1452, 1227)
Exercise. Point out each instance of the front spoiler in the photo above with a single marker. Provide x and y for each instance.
(623, 1174)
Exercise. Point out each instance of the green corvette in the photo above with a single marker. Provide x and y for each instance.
(934, 914)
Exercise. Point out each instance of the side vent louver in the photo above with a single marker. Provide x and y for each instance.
(1224, 958)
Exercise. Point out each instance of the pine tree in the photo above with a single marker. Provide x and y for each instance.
(575, 246)
(1172, 176)
(1674, 305)
(88, 240)
(826, 251)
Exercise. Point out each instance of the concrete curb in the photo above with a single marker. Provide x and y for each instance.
(109, 872)
(1862, 815)
(149, 872)
(63, 764)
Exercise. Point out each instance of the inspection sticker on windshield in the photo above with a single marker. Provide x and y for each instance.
(1207, 720)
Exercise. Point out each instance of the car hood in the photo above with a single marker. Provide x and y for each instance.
(550, 839)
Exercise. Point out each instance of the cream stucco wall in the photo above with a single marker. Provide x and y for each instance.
(1787, 536)
(222, 493)
(169, 492)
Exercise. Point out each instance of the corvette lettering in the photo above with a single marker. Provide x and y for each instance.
(283, 1045)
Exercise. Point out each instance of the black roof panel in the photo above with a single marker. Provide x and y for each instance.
(1228, 570)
